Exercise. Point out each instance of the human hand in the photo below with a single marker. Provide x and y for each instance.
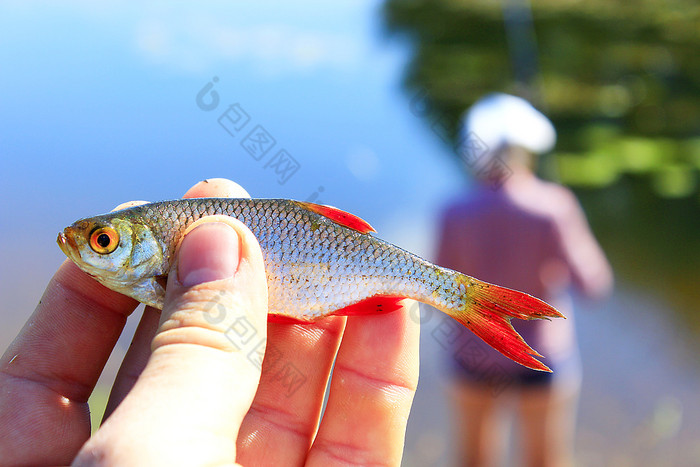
(184, 393)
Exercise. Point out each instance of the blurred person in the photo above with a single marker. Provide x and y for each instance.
(530, 235)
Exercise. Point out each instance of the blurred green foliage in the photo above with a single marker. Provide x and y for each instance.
(621, 82)
(98, 404)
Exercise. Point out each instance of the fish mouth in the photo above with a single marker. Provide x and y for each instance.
(66, 243)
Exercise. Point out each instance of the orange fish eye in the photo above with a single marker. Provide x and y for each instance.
(104, 240)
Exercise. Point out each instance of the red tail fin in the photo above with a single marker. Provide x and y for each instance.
(488, 311)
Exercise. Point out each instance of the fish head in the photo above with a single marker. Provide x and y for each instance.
(120, 253)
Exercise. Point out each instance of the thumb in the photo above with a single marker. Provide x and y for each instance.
(188, 404)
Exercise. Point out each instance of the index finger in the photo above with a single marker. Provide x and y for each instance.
(49, 371)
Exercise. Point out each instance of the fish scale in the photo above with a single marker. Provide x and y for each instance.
(319, 261)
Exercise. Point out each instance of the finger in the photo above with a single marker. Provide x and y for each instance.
(189, 401)
(49, 371)
(217, 188)
(374, 380)
(140, 349)
(283, 418)
(282, 422)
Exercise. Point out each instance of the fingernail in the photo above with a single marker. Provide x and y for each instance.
(208, 253)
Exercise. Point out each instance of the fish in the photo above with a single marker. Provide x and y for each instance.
(319, 261)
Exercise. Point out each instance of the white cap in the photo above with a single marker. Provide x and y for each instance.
(499, 119)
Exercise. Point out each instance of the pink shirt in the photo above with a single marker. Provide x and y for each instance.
(532, 236)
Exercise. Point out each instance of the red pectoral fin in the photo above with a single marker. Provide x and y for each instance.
(371, 306)
(338, 216)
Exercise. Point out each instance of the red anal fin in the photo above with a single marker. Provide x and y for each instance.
(371, 306)
(285, 319)
(379, 304)
(339, 216)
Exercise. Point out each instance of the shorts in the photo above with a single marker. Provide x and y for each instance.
(502, 373)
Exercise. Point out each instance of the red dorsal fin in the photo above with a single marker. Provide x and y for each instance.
(338, 216)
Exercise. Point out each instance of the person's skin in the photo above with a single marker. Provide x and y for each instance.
(184, 394)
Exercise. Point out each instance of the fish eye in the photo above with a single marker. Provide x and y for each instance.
(104, 240)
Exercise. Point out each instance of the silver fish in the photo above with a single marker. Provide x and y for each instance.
(319, 261)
